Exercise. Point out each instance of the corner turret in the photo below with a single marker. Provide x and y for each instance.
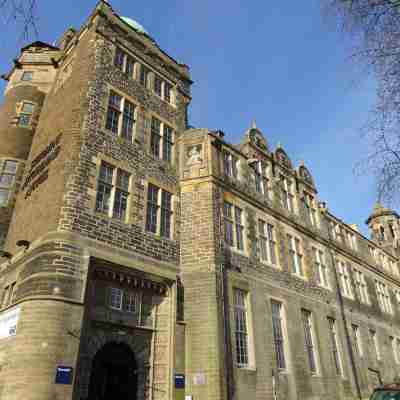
(385, 227)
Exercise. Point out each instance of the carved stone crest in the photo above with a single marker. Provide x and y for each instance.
(194, 155)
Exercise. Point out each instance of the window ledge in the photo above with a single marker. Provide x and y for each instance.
(246, 368)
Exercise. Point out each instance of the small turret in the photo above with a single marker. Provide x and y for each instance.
(384, 226)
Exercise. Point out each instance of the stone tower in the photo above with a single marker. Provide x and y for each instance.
(384, 227)
(28, 82)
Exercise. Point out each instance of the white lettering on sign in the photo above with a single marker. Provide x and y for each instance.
(8, 323)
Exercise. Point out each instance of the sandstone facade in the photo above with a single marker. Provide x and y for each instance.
(144, 259)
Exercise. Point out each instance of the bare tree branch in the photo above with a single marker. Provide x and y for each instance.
(373, 27)
(23, 13)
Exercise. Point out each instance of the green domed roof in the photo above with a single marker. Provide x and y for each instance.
(135, 25)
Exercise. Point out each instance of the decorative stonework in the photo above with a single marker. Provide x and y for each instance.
(194, 155)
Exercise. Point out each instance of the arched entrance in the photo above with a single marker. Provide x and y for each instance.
(113, 375)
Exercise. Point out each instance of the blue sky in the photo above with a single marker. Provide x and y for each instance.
(279, 63)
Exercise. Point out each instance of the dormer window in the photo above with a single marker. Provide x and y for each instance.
(311, 211)
(27, 76)
(287, 194)
(230, 164)
(124, 62)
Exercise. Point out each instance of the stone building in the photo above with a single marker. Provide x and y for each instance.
(143, 259)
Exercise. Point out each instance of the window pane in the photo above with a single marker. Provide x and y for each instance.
(4, 196)
(120, 204)
(27, 76)
(6, 180)
(24, 120)
(166, 211)
(144, 72)
(27, 108)
(115, 298)
(10, 166)
(167, 92)
(128, 120)
(158, 85)
(113, 112)
(277, 329)
(119, 58)
(152, 208)
(155, 137)
(167, 143)
(240, 312)
(123, 180)
(130, 66)
(307, 325)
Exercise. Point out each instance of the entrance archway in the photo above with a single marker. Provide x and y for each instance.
(113, 375)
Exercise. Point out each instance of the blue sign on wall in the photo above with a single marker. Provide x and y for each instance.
(64, 375)
(179, 381)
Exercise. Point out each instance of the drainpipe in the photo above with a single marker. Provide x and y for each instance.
(324, 211)
(226, 324)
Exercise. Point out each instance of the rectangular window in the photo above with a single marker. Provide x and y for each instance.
(158, 85)
(286, 194)
(167, 141)
(144, 76)
(130, 66)
(239, 228)
(112, 191)
(167, 92)
(131, 302)
(374, 344)
(119, 59)
(345, 281)
(124, 62)
(278, 332)
(351, 240)
(267, 242)
(159, 211)
(116, 298)
(104, 188)
(128, 121)
(25, 114)
(321, 269)
(311, 211)
(161, 140)
(335, 345)
(241, 330)
(27, 76)
(152, 208)
(361, 286)
(228, 223)
(233, 223)
(295, 255)
(113, 112)
(7, 180)
(166, 214)
(121, 195)
(309, 339)
(121, 118)
(155, 139)
(357, 340)
(383, 296)
(258, 177)
(230, 164)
